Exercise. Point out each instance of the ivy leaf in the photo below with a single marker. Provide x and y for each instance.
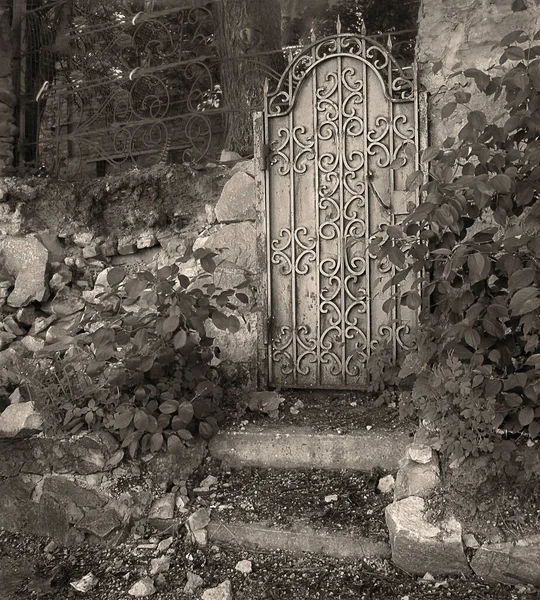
(524, 300)
(205, 430)
(208, 264)
(514, 53)
(448, 109)
(140, 420)
(521, 279)
(168, 407)
(519, 5)
(477, 119)
(156, 442)
(534, 429)
(184, 434)
(123, 419)
(171, 323)
(526, 416)
(116, 458)
(430, 153)
(186, 412)
(180, 339)
(220, 320)
(175, 445)
(479, 267)
(115, 276)
(398, 162)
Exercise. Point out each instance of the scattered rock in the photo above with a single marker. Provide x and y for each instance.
(247, 166)
(229, 155)
(83, 238)
(91, 251)
(194, 582)
(27, 260)
(11, 326)
(386, 484)
(146, 240)
(244, 566)
(160, 565)
(198, 520)
(418, 546)
(237, 200)
(6, 339)
(142, 588)
(421, 453)
(165, 544)
(470, 541)
(266, 402)
(200, 537)
(64, 490)
(512, 563)
(85, 584)
(33, 344)
(67, 302)
(208, 482)
(20, 419)
(163, 508)
(100, 522)
(331, 498)
(222, 592)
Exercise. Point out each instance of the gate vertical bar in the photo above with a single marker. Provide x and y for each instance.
(317, 222)
(341, 150)
(294, 348)
(367, 190)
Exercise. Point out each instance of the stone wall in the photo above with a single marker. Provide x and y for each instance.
(461, 34)
(7, 97)
(58, 239)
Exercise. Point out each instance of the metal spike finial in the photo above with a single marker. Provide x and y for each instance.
(389, 42)
(363, 28)
(338, 25)
(313, 36)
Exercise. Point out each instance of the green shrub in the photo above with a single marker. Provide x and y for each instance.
(472, 252)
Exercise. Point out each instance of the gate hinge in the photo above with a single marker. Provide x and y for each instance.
(263, 158)
(268, 330)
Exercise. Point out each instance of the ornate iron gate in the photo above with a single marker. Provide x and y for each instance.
(342, 133)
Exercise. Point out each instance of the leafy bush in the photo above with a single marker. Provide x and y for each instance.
(143, 366)
(471, 251)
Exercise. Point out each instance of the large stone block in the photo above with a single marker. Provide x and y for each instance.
(236, 245)
(63, 491)
(20, 419)
(26, 259)
(419, 472)
(237, 200)
(513, 563)
(420, 547)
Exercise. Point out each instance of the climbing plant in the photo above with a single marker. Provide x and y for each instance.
(469, 256)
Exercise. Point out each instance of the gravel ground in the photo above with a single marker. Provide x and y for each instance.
(274, 576)
(340, 500)
(341, 411)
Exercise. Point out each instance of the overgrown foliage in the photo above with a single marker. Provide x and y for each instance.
(471, 253)
(143, 366)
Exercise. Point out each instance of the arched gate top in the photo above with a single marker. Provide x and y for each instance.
(398, 83)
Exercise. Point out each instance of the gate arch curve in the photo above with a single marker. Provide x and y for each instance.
(342, 132)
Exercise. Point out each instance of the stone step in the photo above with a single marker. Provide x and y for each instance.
(289, 447)
(335, 513)
(305, 539)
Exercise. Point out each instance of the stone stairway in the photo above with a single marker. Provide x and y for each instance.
(299, 490)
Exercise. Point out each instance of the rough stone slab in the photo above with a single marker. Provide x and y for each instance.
(418, 547)
(100, 522)
(511, 563)
(63, 490)
(221, 592)
(163, 508)
(323, 542)
(167, 467)
(237, 200)
(236, 244)
(20, 419)
(302, 448)
(26, 259)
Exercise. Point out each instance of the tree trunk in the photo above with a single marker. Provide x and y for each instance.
(246, 28)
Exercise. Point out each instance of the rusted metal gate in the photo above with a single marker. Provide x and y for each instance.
(342, 136)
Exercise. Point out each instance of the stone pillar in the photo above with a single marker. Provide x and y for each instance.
(457, 35)
(7, 97)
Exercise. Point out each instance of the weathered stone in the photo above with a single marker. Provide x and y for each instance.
(142, 588)
(512, 563)
(63, 490)
(7, 97)
(419, 547)
(41, 324)
(83, 456)
(60, 279)
(16, 397)
(127, 248)
(163, 508)
(237, 200)
(8, 130)
(146, 240)
(417, 477)
(222, 592)
(91, 251)
(20, 419)
(198, 520)
(67, 301)
(210, 212)
(53, 245)
(168, 467)
(109, 248)
(200, 537)
(33, 344)
(49, 519)
(229, 156)
(6, 339)
(83, 238)
(100, 522)
(15, 504)
(11, 326)
(243, 566)
(160, 565)
(26, 259)
(27, 315)
(421, 453)
(246, 166)
(470, 541)
(386, 484)
(194, 582)
(236, 244)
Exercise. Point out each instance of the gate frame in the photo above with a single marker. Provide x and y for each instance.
(261, 155)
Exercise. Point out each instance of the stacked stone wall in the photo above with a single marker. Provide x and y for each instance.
(7, 98)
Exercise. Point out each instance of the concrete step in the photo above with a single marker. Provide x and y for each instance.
(304, 539)
(289, 447)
